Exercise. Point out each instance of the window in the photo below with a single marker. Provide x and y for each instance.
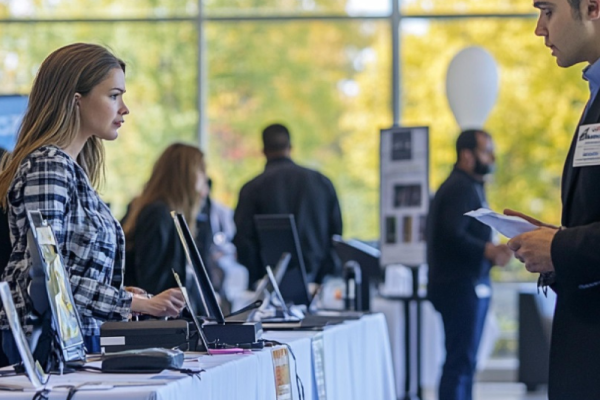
(329, 82)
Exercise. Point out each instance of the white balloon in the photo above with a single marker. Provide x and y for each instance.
(472, 86)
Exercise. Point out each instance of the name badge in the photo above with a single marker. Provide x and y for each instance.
(587, 149)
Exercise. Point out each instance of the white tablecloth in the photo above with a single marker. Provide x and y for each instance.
(357, 365)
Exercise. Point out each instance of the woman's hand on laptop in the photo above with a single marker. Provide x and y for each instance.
(165, 304)
(136, 290)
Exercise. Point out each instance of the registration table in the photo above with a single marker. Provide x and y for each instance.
(346, 361)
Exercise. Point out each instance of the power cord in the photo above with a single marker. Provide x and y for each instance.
(41, 395)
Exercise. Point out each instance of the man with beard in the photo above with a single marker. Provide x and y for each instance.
(460, 254)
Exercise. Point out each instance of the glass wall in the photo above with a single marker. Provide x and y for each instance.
(331, 88)
(465, 7)
(295, 8)
(161, 60)
(97, 9)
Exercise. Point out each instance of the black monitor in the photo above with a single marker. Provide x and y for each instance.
(368, 259)
(277, 234)
(210, 303)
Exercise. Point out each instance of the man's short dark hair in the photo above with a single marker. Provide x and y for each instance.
(468, 140)
(276, 137)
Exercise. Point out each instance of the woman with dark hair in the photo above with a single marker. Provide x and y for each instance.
(76, 102)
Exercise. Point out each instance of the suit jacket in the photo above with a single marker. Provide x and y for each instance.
(287, 188)
(575, 349)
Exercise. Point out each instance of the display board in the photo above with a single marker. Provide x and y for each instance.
(12, 109)
(404, 194)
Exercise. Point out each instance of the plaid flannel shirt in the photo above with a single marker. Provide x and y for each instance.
(89, 238)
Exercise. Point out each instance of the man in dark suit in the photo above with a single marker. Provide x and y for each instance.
(568, 257)
(287, 188)
(460, 254)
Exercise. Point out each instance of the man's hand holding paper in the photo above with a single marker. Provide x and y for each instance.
(533, 249)
(530, 239)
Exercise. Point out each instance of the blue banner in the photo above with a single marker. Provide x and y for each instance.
(12, 109)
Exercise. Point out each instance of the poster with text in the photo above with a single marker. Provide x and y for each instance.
(404, 194)
(12, 109)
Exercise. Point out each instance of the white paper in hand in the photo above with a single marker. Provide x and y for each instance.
(507, 225)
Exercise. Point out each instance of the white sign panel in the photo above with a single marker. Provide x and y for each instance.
(404, 194)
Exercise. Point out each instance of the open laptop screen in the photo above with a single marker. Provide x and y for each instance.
(188, 304)
(199, 273)
(278, 274)
(277, 234)
(33, 369)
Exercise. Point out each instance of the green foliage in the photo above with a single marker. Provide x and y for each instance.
(257, 77)
(532, 124)
(161, 88)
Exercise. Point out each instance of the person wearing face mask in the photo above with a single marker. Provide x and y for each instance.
(460, 254)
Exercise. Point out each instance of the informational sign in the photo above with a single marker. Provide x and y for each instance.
(281, 369)
(318, 350)
(404, 194)
(12, 109)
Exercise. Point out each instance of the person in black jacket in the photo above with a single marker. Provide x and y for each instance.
(5, 245)
(178, 183)
(460, 254)
(287, 188)
(568, 258)
(5, 250)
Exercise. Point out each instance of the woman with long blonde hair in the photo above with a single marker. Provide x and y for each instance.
(76, 102)
(177, 183)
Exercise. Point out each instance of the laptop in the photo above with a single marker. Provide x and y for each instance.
(280, 269)
(33, 369)
(199, 273)
(247, 334)
(189, 307)
(289, 320)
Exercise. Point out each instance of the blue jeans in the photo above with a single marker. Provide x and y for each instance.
(463, 314)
